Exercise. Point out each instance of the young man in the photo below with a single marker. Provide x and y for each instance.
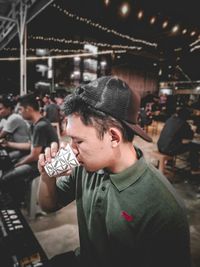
(175, 130)
(128, 213)
(14, 128)
(42, 135)
(52, 110)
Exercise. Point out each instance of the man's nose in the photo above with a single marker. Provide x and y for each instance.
(74, 148)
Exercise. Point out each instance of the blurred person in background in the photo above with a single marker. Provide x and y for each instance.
(52, 110)
(42, 135)
(14, 128)
(171, 139)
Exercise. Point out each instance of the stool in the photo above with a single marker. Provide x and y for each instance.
(181, 163)
(162, 159)
(152, 128)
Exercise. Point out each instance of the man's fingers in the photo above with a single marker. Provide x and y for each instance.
(50, 152)
(63, 144)
(54, 149)
(47, 153)
(42, 159)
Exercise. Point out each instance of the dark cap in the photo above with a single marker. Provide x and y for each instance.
(114, 97)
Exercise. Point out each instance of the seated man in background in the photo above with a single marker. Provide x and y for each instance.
(14, 128)
(42, 135)
(171, 138)
(52, 110)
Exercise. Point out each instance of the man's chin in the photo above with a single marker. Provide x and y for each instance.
(89, 169)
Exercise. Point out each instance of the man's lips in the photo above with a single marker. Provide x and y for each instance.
(80, 162)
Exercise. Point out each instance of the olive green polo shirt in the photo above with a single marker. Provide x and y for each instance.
(132, 218)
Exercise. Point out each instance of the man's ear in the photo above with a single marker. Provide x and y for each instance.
(28, 108)
(116, 136)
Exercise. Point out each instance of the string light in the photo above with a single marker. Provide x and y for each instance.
(195, 48)
(52, 50)
(66, 56)
(10, 49)
(125, 8)
(195, 45)
(195, 42)
(77, 42)
(105, 29)
(175, 28)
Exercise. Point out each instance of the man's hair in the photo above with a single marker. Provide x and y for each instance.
(184, 113)
(7, 102)
(91, 116)
(29, 100)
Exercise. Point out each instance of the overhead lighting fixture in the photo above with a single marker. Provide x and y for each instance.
(77, 59)
(103, 63)
(184, 31)
(165, 24)
(175, 29)
(192, 33)
(140, 14)
(152, 20)
(124, 9)
(107, 2)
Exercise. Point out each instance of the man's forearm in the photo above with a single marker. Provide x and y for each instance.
(19, 146)
(47, 194)
(28, 159)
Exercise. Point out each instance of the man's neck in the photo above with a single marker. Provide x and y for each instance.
(126, 158)
(8, 115)
(36, 117)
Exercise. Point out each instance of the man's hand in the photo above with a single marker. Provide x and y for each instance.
(48, 155)
(3, 142)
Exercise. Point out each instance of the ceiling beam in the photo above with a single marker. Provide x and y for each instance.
(8, 28)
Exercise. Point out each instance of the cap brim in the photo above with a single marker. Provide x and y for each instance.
(139, 131)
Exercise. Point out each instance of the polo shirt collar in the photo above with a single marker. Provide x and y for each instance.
(40, 119)
(129, 176)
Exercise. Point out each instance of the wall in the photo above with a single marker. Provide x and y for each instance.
(139, 80)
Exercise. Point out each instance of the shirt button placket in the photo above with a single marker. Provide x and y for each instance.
(103, 188)
(101, 195)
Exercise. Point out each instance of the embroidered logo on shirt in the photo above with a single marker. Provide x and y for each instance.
(126, 216)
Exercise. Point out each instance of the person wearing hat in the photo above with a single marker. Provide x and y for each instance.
(128, 213)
